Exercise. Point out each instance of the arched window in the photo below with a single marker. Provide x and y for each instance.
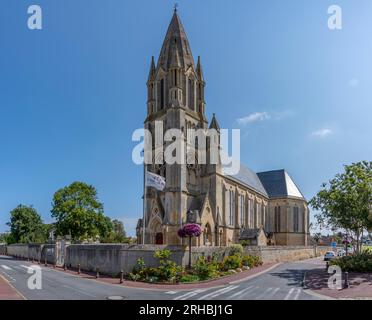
(242, 210)
(191, 102)
(251, 213)
(277, 219)
(231, 207)
(295, 219)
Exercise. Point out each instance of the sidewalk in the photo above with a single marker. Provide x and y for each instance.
(7, 291)
(241, 276)
(360, 285)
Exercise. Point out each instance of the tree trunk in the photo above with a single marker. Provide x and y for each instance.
(189, 253)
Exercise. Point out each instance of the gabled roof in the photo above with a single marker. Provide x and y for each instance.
(249, 234)
(250, 179)
(279, 184)
(175, 40)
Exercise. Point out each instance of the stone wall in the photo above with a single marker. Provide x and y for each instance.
(112, 258)
(2, 249)
(272, 254)
(33, 252)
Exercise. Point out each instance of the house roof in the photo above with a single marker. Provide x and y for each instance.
(279, 184)
(250, 179)
(249, 234)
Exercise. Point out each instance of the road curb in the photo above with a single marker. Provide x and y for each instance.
(318, 295)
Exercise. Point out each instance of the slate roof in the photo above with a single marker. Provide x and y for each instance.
(279, 184)
(214, 123)
(250, 179)
(249, 234)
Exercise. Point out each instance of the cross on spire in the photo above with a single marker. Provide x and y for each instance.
(175, 7)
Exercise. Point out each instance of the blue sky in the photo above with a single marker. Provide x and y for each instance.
(72, 94)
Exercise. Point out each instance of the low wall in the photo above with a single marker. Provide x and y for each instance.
(112, 258)
(33, 252)
(272, 254)
(2, 249)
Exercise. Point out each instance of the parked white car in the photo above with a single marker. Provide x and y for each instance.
(329, 255)
(341, 253)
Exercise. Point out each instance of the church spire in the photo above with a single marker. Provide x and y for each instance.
(214, 123)
(152, 70)
(199, 70)
(175, 40)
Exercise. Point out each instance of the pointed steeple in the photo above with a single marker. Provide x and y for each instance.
(214, 123)
(199, 70)
(152, 70)
(175, 40)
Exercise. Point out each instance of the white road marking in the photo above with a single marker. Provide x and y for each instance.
(241, 292)
(6, 267)
(264, 294)
(218, 292)
(28, 268)
(272, 293)
(10, 278)
(171, 292)
(189, 294)
(297, 294)
(289, 294)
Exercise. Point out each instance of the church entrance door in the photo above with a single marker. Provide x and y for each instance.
(159, 238)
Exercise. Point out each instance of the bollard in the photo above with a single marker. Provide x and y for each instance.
(97, 274)
(346, 284)
(54, 265)
(78, 268)
(121, 276)
(38, 260)
(45, 262)
(327, 265)
(64, 267)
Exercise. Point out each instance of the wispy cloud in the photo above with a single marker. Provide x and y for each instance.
(254, 117)
(263, 116)
(321, 133)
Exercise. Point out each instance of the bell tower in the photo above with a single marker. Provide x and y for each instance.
(175, 90)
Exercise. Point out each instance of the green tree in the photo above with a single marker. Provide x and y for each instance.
(79, 213)
(345, 201)
(117, 235)
(26, 226)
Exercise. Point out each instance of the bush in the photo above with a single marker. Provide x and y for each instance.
(236, 250)
(257, 261)
(139, 266)
(361, 262)
(245, 243)
(231, 262)
(189, 278)
(248, 261)
(204, 269)
(162, 254)
(169, 271)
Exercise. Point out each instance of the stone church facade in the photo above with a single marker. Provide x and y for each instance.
(259, 208)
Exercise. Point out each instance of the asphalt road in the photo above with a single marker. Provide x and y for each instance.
(281, 283)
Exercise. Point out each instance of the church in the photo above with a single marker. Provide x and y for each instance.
(265, 208)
